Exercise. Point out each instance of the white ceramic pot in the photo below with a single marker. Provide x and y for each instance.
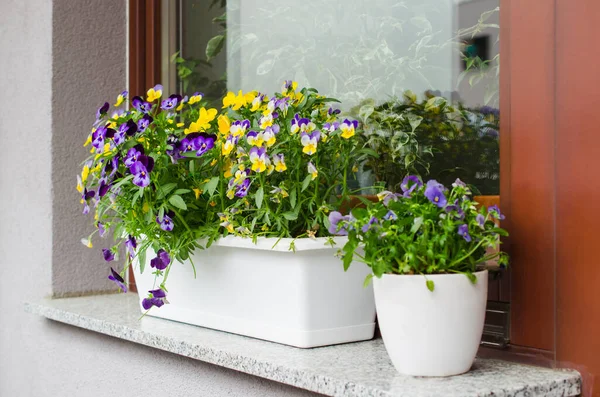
(302, 298)
(431, 333)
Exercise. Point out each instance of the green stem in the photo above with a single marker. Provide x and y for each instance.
(466, 256)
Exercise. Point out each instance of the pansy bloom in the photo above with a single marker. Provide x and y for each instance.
(195, 98)
(156, 298)
(140, 105)
(279, 162)
(166, 223)
(434, 191)
(312, 170)
(336, 223)
(224, 124)
(102, 110)
(258, 158)
(241, 190)
(239, 127)
(116, 277)
(463, 230)
(348, 128)
(144, 122)
(121, 98)
(141, 170)
(133, 154)
(130, 246)
(161, 261)
(108, 255)
(171, 102)
(255, 138)
(409, 184)
(228, 145)
(494, 212)
(154, 93)
(309, 141)
(204, 143)
(266, 121)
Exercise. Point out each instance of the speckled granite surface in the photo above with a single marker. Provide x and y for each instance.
(356, 369)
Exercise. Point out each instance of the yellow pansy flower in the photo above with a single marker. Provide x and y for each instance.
(197, 192)
(234, 101)
(203, 122)
(197, 97)
(84, 173)
(154, 93)
(224, 124)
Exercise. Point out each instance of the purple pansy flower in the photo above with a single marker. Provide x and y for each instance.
(369, 224)
(111, 167)
(116, 277)
(157, 298)
(171, 102)
(101, 229)
(335, 218)
(86, 196)
(390, 216)
(103, 188)
(189, 143)
(98, 137)
(166, 223)
(463, 230)
(458, 183)
(129, 128)
(460, 214)
(143, 123)
(161, 261)
(434, 191)
(133, 155)
(386, 196)
(480, 219)
(494, 212)
(130, 246)
(108, 255)
(102, 110)
(333, 111)
(409, 184)
(141, 171)
(330, 127)
(241, 190)
(140, 105)
(204, 143)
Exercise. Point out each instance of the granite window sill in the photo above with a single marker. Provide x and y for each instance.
(355, 369)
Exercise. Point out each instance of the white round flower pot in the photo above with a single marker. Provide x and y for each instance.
(267, 291)
(431, 333)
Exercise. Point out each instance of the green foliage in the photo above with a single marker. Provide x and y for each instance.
(416, 235)
(432, 138)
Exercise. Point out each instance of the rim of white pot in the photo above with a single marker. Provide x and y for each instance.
(282, 244)
(431, 276)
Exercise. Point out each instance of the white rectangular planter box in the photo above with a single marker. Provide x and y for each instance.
(302, 298)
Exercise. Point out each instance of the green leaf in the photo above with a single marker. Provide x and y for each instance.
(290, 215)
(214, 46)
(258, 197)
(182, 191)
(367, 280)
(365, 112)
(177, 201)
(220, 18)
(430, 285)
(211, 185)
(165, 189)
(137, 196)
(141, 256)
(161, 213)
(417, 224)
(192, 166)
(293, 197)
(306, 182)
(471, 277)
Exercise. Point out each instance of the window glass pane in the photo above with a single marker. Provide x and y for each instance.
(420, 75)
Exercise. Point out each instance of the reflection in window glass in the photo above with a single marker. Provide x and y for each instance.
(420, 75)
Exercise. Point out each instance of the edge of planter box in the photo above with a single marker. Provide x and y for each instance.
(354, 369)
(282, 244)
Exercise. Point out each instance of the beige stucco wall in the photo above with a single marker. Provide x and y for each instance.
(58, 61)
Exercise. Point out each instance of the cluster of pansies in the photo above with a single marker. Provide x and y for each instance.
(166, 172)
(425, 229)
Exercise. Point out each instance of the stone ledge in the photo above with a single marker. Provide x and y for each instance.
(355, 369)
